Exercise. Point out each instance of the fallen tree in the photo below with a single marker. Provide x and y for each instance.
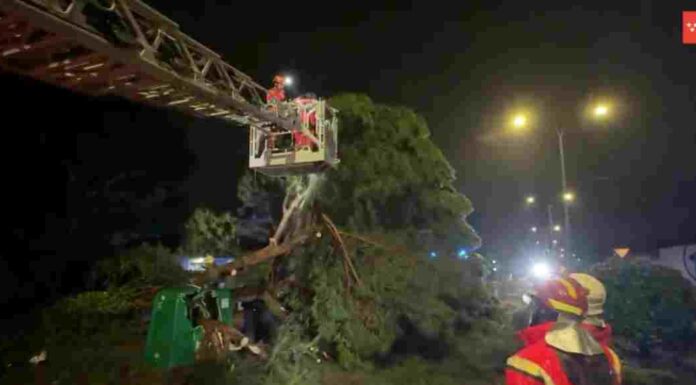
(349, 273)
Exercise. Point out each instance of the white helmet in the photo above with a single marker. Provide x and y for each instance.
(597, 294)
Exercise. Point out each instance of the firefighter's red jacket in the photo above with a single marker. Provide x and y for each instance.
(539, 364)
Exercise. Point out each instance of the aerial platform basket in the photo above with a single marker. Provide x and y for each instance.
(279, 152)
(126, 48)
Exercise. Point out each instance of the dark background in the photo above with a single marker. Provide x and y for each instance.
(464, 65)
(78, 170)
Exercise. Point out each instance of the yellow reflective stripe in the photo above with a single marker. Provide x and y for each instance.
(528, 367)
(615, 362)
(569, 287)
(560, 306)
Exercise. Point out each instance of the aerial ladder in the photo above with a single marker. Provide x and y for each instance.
(127, 48)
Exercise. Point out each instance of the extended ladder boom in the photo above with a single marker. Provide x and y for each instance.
(127, 48)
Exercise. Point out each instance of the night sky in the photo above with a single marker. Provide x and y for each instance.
(463, 66)
(467, 64)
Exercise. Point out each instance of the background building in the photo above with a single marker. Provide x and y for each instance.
(682, 258)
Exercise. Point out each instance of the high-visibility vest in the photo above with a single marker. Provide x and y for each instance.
(275, 94)
(539, 364)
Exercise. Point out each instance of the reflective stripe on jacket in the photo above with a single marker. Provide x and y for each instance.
(540, 364)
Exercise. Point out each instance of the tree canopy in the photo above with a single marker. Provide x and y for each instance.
(652, 307)
(211, 233)
(393, 177)
(383, 290)
(393, 202)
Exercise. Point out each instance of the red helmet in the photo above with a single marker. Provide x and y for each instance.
(564, 295)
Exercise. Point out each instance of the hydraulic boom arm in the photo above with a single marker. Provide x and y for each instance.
(125, 47)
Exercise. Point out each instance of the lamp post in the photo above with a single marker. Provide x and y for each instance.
(564, 185)
(519, 121)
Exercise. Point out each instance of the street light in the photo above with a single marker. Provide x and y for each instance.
(534, 229)
(519, 121)
(601, 110)
(530, 200)
(541, 270)
(557, 228)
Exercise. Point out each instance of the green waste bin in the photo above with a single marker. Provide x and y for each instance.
(172, 339)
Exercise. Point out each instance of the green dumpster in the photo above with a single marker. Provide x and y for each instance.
(172, 339)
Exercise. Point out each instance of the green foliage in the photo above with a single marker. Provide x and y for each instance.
(357, 325)
(475, 357)
(347, 323)
(144, 265)
(392, 187)
(394, 196)
(294, 359)
(262, 199)
(649, 306)
(641, 376)
(413, 371)
(256, 189)
(392, 176)
(211, 233)
(97, 332)
(81, 335)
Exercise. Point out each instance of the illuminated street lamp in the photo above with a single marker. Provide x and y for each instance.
(600, 111)
(519, 121)
(541, 270)
(557, 228)
(534, 229)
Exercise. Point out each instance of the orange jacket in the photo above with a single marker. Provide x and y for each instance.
(310, 117)
(539, 364)
(275, 94)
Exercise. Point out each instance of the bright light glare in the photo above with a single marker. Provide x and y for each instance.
(495, 269)
(557, 228)
(288, 81)
(527, 299)
(601, 110)
(568, 196)
(534, 229)
(541, 270)
(530, 199)
(555, 241)
(519, 121)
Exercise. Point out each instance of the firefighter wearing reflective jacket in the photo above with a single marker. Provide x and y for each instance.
(567, 354)
(274, 96)
(539, 323)
(277, 93)
(308, 118)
